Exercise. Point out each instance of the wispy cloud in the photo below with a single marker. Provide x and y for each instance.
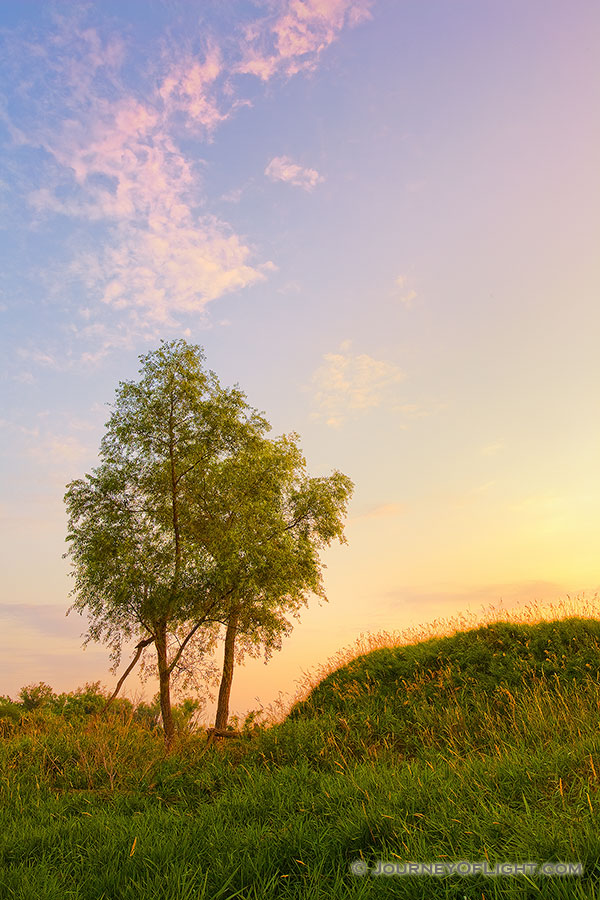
(49, 448)
(293, 37)
(493, 448)
(48, 619)
(348, 384)
(403, 291)
(282, 168)
(161, 256)
(60, 450)
(191, 87)
(381, 511)
(18, 429)
(39, 357)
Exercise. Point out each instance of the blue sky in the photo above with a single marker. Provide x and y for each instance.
(379, 218)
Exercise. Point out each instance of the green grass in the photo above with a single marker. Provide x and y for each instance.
(480, 746)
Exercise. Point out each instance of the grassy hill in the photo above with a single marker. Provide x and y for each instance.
(483, 746)
(457, 691)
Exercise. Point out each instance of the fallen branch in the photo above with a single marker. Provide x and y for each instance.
(214, 733)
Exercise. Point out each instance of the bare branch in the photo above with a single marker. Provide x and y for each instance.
(205, 618)
(138, 653)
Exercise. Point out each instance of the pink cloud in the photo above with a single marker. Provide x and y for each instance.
(172, 267)
(190, 87)
(293, 40)
(118, 160)
(347, 384)
(165, 258)
(282, 168)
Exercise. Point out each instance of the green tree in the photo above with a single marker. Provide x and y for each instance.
(275, 520)
(194, 520)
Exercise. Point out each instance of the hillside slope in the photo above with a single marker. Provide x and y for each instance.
(456, 690)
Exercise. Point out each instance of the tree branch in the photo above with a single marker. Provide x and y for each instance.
(297, 521)
(190, 468)
(138, 653)
(190, 635)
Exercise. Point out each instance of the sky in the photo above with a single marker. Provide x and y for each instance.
(381, 218)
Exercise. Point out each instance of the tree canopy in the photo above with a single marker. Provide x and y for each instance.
(195, 520)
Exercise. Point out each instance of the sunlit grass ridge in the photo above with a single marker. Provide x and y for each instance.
(530, 614)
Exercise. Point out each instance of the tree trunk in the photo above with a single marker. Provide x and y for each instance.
(164, 677)
(227, 676)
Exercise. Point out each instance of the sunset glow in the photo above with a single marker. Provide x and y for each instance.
(381, 219)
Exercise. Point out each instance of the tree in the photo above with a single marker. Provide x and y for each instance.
(275, 522)
(141, 567)
(194, 520)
